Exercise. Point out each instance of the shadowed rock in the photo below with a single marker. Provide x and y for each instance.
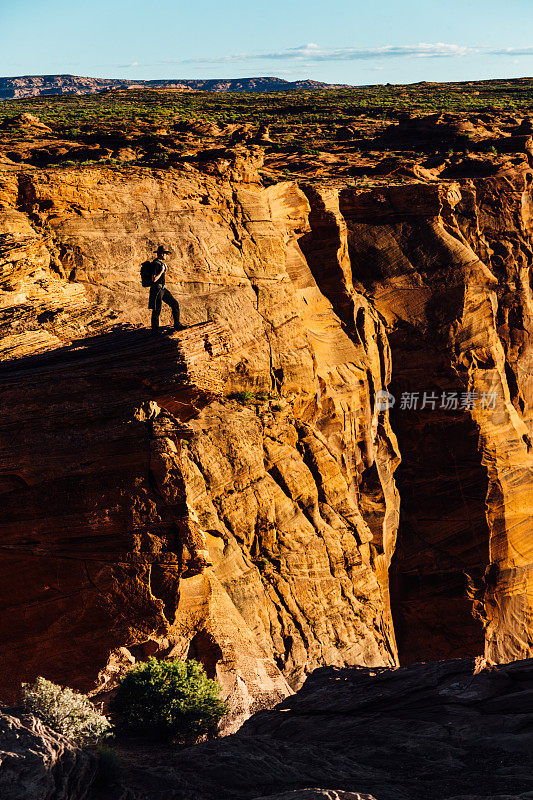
(38, 764)
(434, 731)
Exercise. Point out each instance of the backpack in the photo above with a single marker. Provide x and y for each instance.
(147, 270)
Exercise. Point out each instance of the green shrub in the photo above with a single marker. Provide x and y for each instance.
(245, 397)
(304, 149)
(168, 699)
(69, 713)
(261, 563)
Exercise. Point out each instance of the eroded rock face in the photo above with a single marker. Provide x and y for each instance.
(150, 508)
(38, 764)
(254, 535)
(453, 285)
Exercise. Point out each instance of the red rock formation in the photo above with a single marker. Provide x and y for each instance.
(265, 529)
(147, 508)
(445, 266)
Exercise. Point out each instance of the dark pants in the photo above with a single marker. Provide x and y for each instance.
(159, 297)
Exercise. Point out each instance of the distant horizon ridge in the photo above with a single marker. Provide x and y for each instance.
(17, 87)
(20, 86)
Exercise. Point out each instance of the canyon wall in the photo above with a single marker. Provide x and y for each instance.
(451, 277)
(146, 510)
(229, 492)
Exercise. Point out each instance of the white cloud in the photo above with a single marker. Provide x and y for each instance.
(512, 51)
(316, 53)
(312, 52)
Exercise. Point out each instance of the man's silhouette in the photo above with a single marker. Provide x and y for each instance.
(159, 294)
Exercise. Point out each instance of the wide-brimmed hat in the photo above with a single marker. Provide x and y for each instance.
(162, 250)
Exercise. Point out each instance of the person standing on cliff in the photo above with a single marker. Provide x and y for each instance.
(159, 294)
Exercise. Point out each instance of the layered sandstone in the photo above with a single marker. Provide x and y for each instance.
(145, 509)
(453, 285)
(229, 492)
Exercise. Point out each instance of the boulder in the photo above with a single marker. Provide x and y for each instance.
(31, 122)
(38, 764)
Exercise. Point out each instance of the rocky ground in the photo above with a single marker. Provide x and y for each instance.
(441, 731)
(38, 764)
(435, 731)
(238, 492)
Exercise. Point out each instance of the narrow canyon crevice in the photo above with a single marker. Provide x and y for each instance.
(442, 546)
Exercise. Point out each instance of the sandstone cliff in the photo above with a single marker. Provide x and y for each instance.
(229, 492)
(143, 507)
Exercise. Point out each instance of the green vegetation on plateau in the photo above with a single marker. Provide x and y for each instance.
(133, 107)
(344, 134)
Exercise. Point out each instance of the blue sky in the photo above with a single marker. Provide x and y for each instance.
(339, 41)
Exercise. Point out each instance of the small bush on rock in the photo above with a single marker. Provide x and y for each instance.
(65, 711)
(168, 699)
(245, 397)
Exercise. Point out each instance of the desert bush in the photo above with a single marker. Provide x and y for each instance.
(245, 397)
(168, 699)
(65, 711)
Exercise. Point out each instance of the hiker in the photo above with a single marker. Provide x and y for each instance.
(158, 293)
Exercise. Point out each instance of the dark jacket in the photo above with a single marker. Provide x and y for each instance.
(156, 288)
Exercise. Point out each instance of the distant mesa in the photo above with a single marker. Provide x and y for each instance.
(38, 85)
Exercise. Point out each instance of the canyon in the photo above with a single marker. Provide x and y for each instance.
(332, 464)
